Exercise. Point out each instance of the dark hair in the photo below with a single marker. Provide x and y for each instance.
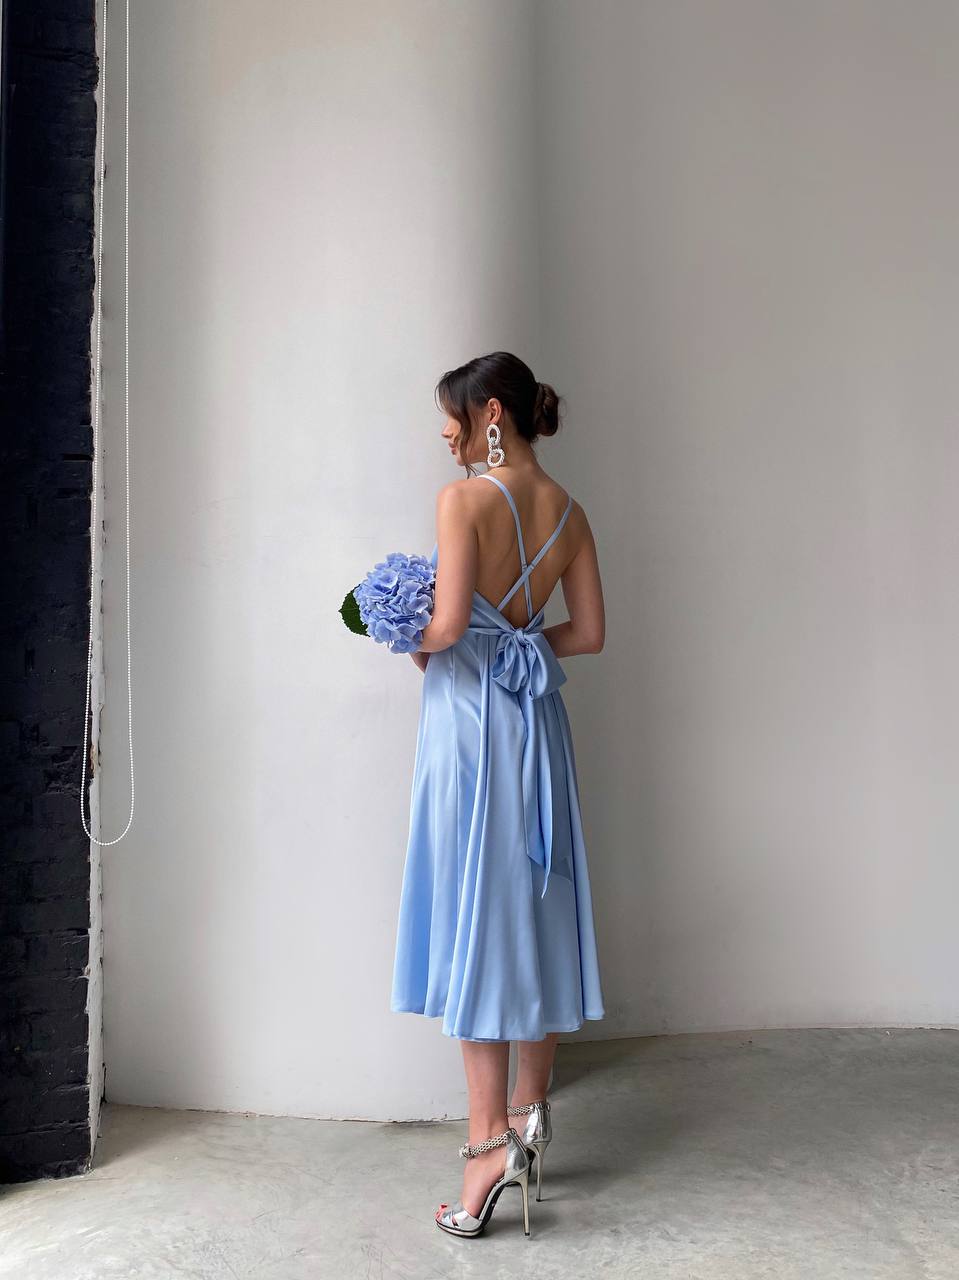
(533, 406)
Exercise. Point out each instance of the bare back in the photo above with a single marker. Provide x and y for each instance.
(482, 527)
(546, 524)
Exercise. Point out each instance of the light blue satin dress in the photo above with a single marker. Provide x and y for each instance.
(495, 932)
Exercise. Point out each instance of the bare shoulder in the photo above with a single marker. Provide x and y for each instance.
(577, 511)
(463, 495)
(459, 504)
(581, 535)
(578, 532)
(577, 515)
(454, 496)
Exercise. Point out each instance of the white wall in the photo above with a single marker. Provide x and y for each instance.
(724, 233)
(331, 206)
(751, 297)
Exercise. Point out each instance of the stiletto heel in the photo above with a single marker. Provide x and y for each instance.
(524, 1185)
(458, 1220)
(540, 1148)
(536, 1135)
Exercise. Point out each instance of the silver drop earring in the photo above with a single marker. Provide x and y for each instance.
(495, 456)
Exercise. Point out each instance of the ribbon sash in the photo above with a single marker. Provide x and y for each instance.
(527, 667)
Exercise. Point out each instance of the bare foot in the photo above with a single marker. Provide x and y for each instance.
(479, 1176)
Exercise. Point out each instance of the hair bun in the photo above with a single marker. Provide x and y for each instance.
(546, 410)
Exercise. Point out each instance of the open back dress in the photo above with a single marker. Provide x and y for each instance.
(495, 932)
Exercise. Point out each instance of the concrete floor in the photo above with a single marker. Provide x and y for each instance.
(793, 1155)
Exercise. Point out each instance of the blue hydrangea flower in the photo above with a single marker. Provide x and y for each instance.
(395, 600)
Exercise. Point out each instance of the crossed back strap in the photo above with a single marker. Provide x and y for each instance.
(527, 568)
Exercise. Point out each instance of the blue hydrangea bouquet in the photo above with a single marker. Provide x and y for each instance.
(394, 602)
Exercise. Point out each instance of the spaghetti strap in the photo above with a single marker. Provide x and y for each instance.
(485, 475)
(527, 569)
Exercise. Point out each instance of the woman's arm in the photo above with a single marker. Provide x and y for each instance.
(585, 632)
(457, 559)
(421, 659)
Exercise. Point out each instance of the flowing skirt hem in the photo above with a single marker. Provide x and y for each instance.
(514, 1035)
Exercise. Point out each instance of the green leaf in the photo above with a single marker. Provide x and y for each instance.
(350, 613)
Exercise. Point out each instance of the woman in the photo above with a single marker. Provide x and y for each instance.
(495, 927)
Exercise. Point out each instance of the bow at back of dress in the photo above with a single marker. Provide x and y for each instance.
(524, 664)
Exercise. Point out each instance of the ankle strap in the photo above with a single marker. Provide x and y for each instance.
(487, 1144)
(530, 1106)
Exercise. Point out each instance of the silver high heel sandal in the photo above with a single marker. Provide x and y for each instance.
(537, 1134)
(458, 1220)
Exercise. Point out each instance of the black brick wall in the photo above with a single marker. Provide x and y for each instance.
(48, 169)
